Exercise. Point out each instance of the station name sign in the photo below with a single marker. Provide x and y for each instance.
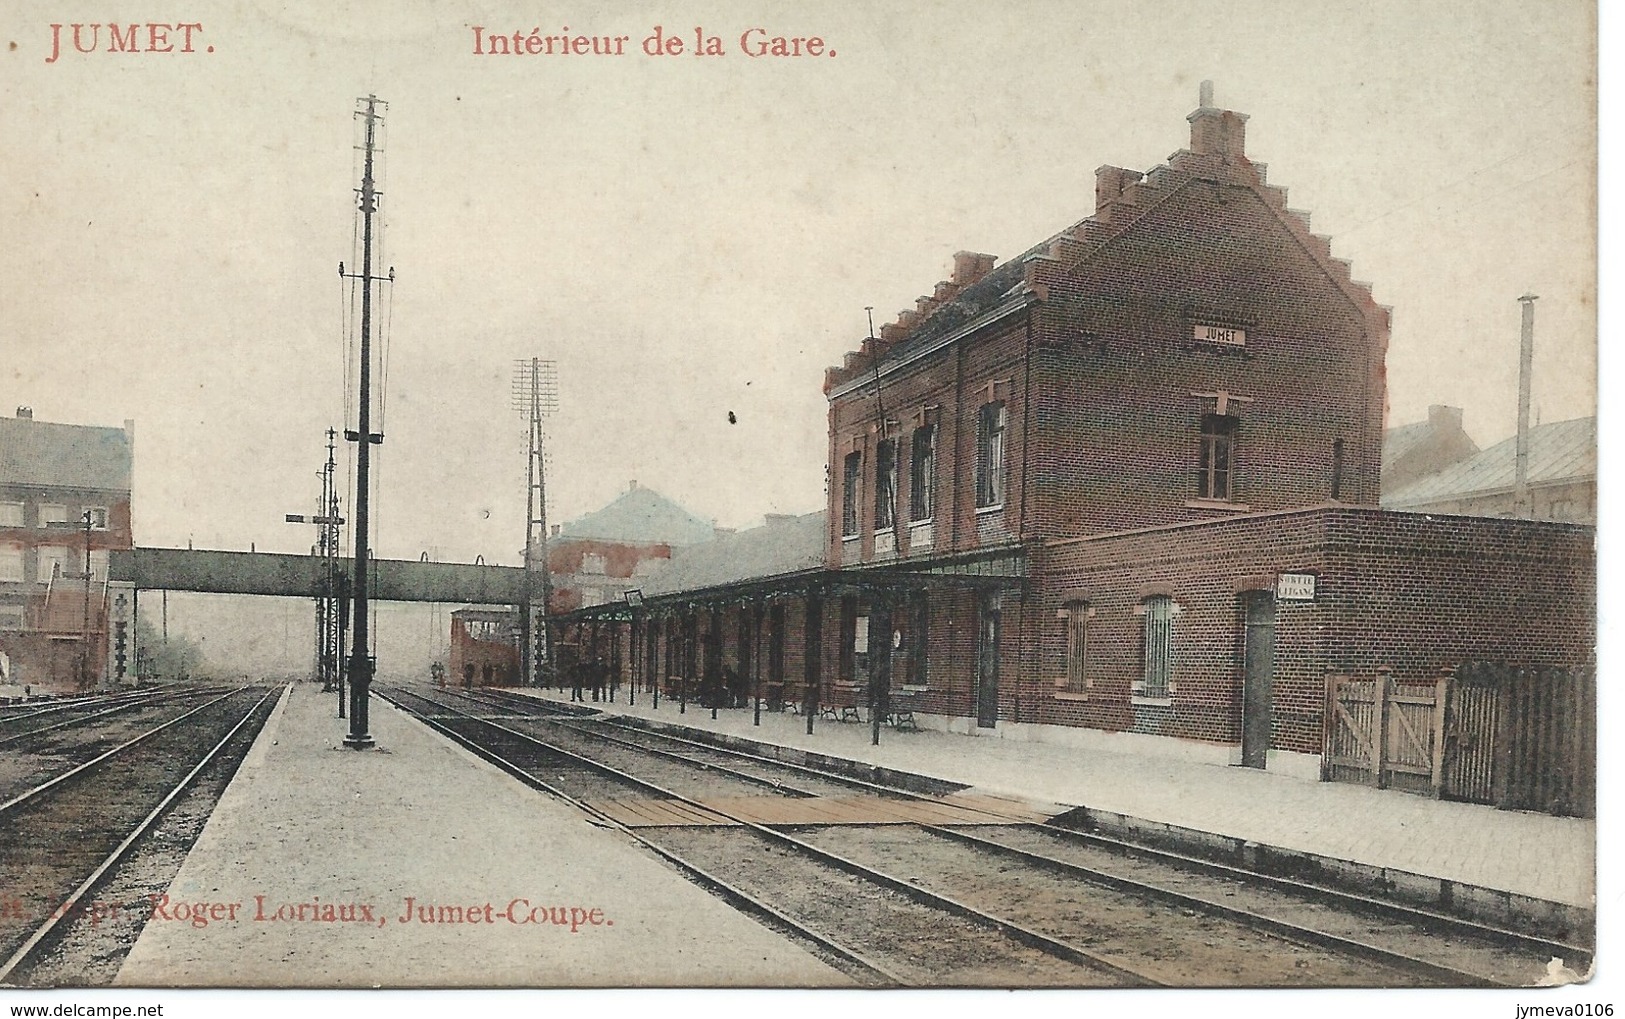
(1220, 334)
(1295, 587)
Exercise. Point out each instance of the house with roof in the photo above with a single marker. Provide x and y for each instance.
(1120, 490)
(592, 560)
(1560, 482)
(595, 558)
(64, 506)
(1414, 451)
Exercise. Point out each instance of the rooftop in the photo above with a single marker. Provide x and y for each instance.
(784, 545)
(644, 516)
(1559, 451)
(44, 454)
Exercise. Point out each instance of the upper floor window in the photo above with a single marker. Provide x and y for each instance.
(1215, 468)
(11, 514)
(851, 486)
(886, 485)
(98, 517)
(592, 562)
(922, 473)
(990, 433)
(52, 513)
(53, 560)
(11, 563)
(1157, 673)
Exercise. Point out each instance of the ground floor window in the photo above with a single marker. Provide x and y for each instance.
(1157, 672)
(1074, 677)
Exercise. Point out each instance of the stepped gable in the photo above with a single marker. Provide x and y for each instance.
(1217, 153)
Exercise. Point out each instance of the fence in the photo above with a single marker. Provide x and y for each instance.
(1518, 738)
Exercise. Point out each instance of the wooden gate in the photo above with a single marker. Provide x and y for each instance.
(1523, 738)
(1517, 738)
(1384, 732)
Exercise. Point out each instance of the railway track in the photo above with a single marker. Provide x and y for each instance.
(70, 844)
(1037, 897)
(1124, 857)
(24, 721)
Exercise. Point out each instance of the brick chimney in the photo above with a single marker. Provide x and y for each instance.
(1445, 418)
(1216, 132)
(26, 413)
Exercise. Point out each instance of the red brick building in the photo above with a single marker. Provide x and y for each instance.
(64, 505)
(484, 648)
(1121, 489)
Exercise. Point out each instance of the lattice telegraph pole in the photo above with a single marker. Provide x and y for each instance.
(329, 622)
(536, 395)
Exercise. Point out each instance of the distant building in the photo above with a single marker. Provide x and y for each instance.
(596, 558)
(1414, 451)
(1561, 479)
(484, 648)
(64, 499)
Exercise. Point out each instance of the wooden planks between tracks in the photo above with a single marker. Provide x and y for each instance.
(962, 808)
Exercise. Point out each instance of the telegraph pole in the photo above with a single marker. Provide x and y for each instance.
(361, 662)
(535, 394)
(329, 645)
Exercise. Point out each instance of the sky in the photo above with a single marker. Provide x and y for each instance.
(693, 236)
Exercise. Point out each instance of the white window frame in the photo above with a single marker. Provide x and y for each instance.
(48, 510)
(17, 555)
(18, 519)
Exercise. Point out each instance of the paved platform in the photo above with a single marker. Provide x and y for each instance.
(353, 841)
(1537, 855)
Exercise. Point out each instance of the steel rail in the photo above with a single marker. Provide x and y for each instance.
(50, 783)
(729, 892)
(117, 855)
(7, 717)
(1056, 947)
(1252, 920)
(1428, 919)
(1282, 929)
(68, 723)
(758, 780)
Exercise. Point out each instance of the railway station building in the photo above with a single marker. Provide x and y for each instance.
(1120, 490)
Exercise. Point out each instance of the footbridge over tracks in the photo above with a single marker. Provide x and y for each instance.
(299, 576)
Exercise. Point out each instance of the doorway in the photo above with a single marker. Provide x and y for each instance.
(1257, 676)
(988, 633)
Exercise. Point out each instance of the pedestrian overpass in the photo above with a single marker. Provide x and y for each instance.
(300, 576)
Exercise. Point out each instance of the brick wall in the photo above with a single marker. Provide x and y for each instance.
(1412, 592)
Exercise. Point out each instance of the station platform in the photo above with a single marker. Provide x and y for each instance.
(1537, 856)
(315, 854)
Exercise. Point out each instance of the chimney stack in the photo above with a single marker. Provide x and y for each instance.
(26, 413)
(632, 486)
(1216, 132)
(1526, 366)
(1443, 417)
